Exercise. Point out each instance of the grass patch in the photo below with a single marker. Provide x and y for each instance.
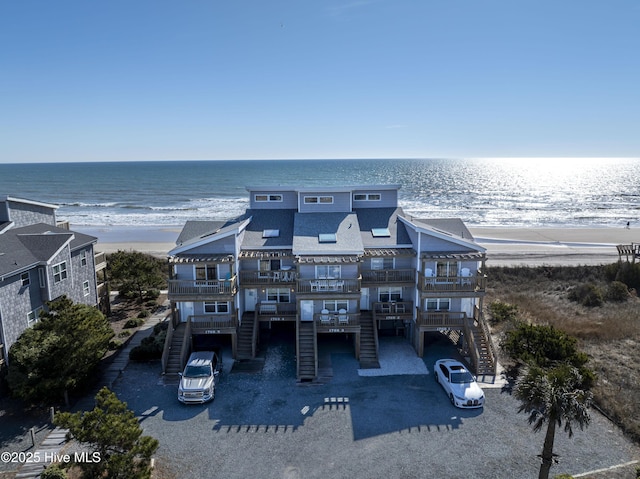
(609, 333)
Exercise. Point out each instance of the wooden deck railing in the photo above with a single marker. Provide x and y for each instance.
(267, 277)
(482, 322)
(443, 319)
(186, 344)
(100, 260)
(268, 308)
(389, 276)
(314, 285)
(200, 322)
(201, 289)
(334, 320)
(452, 284)
(393, 310)
(167, 345)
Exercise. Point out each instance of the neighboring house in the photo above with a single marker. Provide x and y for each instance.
(40, 260)
(326, 260)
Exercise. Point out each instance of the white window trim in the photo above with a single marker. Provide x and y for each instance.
(326, 275)
(390, 290)
(86, 289)
(318, 200)
(367, 197)
(83, 258)
(216, 305)
(269, 198)
(278, 293)
(437, 300)
(25, 279)
(334, 305)
(62, 271)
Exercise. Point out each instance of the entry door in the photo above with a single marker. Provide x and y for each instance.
(364, 299)
(250, 299)
(186, 310)
(306, 310)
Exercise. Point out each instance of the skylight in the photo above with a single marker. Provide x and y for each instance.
(327, 238)
(380, 232)
(270, 233)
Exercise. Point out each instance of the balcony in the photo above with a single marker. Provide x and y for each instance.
(332, 322)
(436, 320)
(392, 276)
(328, 286)
(452, 284)
(272, 311)
(267, 278)
(213, 323)
(393, 310)
(185, 290)
(100, 260)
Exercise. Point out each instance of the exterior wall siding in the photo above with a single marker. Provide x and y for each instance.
(388, 199)
(341, 203)
(23, 214)
(223, 246)
(289, 200)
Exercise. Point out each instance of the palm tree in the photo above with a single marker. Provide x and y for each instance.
(553, 397)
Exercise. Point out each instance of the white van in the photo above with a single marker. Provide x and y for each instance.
(198, 381)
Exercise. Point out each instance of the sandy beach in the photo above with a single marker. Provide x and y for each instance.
(505, 246)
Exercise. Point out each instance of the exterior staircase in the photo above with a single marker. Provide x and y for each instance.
(368, 342)
(486, 361)
(307, 354)
(174, 363)
(245, 336)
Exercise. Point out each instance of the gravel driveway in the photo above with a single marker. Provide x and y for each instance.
(264, 425)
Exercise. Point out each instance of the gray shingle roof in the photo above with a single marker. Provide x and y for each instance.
(28, 245)
(450, 225)
(281, 220)
(308, 227)
(370, 218)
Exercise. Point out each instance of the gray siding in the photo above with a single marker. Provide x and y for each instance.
(341, 202)
(388, 199)
(24, 214)
(224, 245)
(289, 200)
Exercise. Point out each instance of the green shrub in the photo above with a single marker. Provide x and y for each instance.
(152, 294)
(144, 314)
(563, 476)
(160, 327)
(54, 471)
(149, 348)
(133, 323)
(587, 294)
(503, 312)
(124, 334)
(617, 291)
(115, 344)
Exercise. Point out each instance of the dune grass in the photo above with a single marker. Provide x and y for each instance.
(609, 334)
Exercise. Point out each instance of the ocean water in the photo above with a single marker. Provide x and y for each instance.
(483, 192)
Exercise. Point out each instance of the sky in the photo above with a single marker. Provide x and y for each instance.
(120, 80)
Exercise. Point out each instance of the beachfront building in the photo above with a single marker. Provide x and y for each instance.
(326, 261)
(41, 260)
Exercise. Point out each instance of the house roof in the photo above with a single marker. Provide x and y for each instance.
(22, 248)
(450, 225)
(271, 219)
(198, 230)
(374, 218)
(309, 226)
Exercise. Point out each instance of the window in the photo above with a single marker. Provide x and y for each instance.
(446, 269)
(335, 305)
(216, 307)
(59, 272)
(331, 271)
(25, 279)
(270, 233)
(380, 232)
(390, 294)
(83, 258)
(42, 277)
(382, 263)
(269, 264)
(366, 197)
(438, 304)
(327, 238)
(279, 295)
(263, 198)
(33, 316)
(85, 288)
(206, 273)
(318, 199)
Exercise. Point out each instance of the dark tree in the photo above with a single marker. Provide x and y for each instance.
(59, 353)
(134, 272)
(118, 450)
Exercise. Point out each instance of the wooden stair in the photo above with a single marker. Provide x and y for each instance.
(174, 363)
(486, 363)
(368, 344)
(245, 336)
(307, 354)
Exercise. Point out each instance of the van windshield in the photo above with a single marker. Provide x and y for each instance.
(197, 371)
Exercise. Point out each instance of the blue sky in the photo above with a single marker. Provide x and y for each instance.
(110, 80)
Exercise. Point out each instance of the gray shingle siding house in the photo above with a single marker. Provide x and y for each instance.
(327, 260)
(39, 262)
